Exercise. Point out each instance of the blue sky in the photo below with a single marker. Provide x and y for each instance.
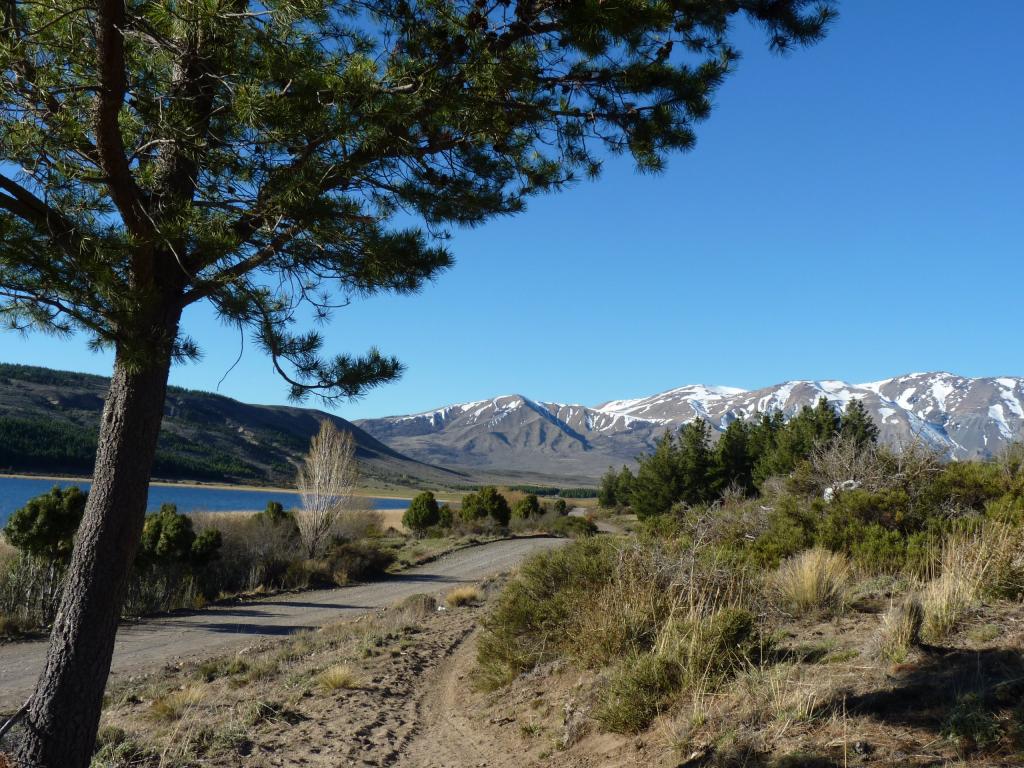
(852, 211)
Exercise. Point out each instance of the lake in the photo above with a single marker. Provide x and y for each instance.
(15, 491)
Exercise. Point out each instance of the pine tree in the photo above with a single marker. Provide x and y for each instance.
(422, 513)
(857, 424)
(607, 491)
(658, 483)
(695, 462)
(267, 160)
(624, 487)
(734, 462)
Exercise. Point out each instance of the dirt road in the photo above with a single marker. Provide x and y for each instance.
(215, 630)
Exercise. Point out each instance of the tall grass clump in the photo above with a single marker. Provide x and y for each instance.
(972, 563)
(901, 630)
(813, 580)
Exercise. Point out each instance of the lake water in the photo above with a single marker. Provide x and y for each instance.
(15, 491)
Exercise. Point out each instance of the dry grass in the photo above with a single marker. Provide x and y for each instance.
(460, 596)
(174, 705)
(901, 630)
(338, 677)
(970, 564)
(815, 579)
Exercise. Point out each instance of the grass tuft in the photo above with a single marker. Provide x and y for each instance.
(338, 677)
(463, 596)
(174, 705)
(815, 579)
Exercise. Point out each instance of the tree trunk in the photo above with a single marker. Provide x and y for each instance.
(64, 711)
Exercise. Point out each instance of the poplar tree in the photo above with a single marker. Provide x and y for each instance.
(276, 160)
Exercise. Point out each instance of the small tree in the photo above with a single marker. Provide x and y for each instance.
(561, 508)
(526, 507)
(422, 513)
(471, 509)
(624, 487)
(607, 491)
(445, 516)
(495, 505)
(857, 424)
(46, 525)
(274, 513)
(326, 481)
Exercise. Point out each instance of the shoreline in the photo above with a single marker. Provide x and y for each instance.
(365, 493)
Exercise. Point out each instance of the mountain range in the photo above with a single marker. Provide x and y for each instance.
(49, 422)
(960, 417)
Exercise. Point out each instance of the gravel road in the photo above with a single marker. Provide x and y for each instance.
(217, 629)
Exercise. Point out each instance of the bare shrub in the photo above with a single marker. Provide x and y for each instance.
(842, 460)
(326, 481)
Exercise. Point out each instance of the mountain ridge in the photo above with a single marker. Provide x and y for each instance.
(959, 416)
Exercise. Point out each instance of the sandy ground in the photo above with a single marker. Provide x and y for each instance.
(219, 629)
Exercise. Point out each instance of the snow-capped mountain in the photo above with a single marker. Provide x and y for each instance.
(962, 417)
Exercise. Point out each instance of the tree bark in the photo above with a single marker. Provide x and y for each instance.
(64, 711)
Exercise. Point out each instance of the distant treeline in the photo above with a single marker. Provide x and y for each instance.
(37, 444)
(541, 490)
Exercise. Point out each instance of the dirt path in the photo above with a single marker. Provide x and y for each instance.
(218, 629)
(445, 736)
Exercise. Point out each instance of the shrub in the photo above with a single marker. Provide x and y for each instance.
(971, 726)
(816, 579)
(487, 502)
(274, 513)
(168, 537)
(357, 561)
(561, 508)
(572, 527)
(422, 513)
(526, 508)
(46, 525)
(445, 517)
(708, 647)
(532, 618)
(636, 692)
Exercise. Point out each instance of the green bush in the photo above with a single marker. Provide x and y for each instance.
(572, 527)
(532, 619)
(445, 516)
(422, 513)
(46, 525)
(636, 692)
(487, 502)
(168, 538)
(526, 508)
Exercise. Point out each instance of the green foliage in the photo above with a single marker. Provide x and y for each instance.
(561, 508)
(734, 458)
(168, 538)
(274, 513)
(607, 491)
(46, 525)
(573, 527)
(487, 502)
(530, 620)
(658, 484)
(526, 508)
(445, 516)
(422, 513)
(971, 726)
(637, 691)
(857, 424)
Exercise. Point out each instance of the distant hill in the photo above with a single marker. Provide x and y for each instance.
(960, 417)
(49, 421)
